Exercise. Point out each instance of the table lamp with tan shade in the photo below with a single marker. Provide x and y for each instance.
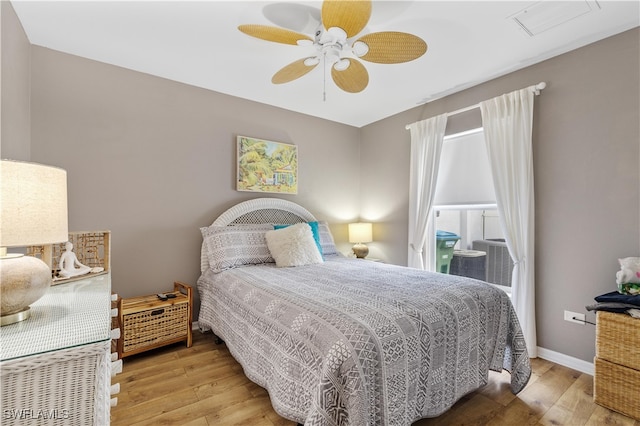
(360, 233)
(33, 211)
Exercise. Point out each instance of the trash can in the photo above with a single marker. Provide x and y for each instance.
(444, 250)
(469, 263)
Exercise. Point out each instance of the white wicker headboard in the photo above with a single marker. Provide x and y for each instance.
(264, 210)
(259, 210)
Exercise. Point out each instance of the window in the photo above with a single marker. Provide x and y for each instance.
(465, 204)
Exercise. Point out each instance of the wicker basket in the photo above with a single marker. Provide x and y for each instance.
(147, 328)
(617, 388)
(92, 249)
(618, 339)
(147, 322)
(617, 363)
(67, 387)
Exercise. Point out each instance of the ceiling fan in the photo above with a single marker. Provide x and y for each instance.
(341, 21)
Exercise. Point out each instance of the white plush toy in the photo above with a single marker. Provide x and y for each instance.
(629, 270)
(628, 277)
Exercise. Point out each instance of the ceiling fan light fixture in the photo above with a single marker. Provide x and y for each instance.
(310, 62)
(331, 52)
(342, 64)
(360, 48)
(338, 33)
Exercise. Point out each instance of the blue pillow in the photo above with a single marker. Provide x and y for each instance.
(314, 231)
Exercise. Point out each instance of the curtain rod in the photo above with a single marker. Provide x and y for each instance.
(536, 89)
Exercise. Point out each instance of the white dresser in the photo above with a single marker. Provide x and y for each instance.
(56, 366)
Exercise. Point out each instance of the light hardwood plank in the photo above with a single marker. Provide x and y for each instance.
(575, 406)
(499, 388)
(200, 421)
(542, 394)
(602, 416)
(477, 409)
(516, 413)
(137, 412)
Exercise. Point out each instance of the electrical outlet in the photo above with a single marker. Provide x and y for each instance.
(574, 317)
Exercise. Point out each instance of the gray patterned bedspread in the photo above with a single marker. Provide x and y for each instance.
(352, 342)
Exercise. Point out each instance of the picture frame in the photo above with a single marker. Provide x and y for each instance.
(266, 166)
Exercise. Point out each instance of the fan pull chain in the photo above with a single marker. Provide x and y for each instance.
(324, 77)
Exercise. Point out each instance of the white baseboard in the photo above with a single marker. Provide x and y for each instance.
(566, 360)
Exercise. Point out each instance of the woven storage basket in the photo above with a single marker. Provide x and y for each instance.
(147, 322)
(617, 388)
(154, 326)
(618, 339)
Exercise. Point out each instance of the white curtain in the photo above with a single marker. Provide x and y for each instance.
(507, 122)
(426, 147)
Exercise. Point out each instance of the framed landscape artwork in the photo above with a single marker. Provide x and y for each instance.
(267, 166)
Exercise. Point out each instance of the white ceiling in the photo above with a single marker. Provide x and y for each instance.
(198, 43)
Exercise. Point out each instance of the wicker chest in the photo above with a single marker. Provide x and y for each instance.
(617, 363)
(148, 322)
(55, 367)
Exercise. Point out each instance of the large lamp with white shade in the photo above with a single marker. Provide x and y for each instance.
(33, 211)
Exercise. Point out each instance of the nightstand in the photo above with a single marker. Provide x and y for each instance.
(147, 322)
(56, 366)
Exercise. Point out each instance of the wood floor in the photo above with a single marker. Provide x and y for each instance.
(204, 385)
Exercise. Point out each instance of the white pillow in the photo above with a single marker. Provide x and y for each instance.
(293, 246)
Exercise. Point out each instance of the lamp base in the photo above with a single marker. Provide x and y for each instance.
(17, 317)
(23, 280)
(360, 250)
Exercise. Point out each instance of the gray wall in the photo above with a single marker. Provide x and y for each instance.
(15, 57)
(587, 182)
(152, 160)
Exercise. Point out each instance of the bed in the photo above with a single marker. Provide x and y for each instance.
(347, 341)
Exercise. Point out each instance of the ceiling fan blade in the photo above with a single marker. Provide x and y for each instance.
(350, 15)
(296, 17)
(279, 35)
(354, 79)
(292, 71)
(392, 47)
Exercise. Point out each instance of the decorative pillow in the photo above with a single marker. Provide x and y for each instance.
(314, 231)
(232, 246)
(293, 246)
(326, 239)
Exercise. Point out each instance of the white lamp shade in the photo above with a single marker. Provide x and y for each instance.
(360, 233)
(33, 204)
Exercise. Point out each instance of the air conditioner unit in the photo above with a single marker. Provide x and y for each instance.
(499, 262)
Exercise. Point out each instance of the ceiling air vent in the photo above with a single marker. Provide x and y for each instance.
(544, 15)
